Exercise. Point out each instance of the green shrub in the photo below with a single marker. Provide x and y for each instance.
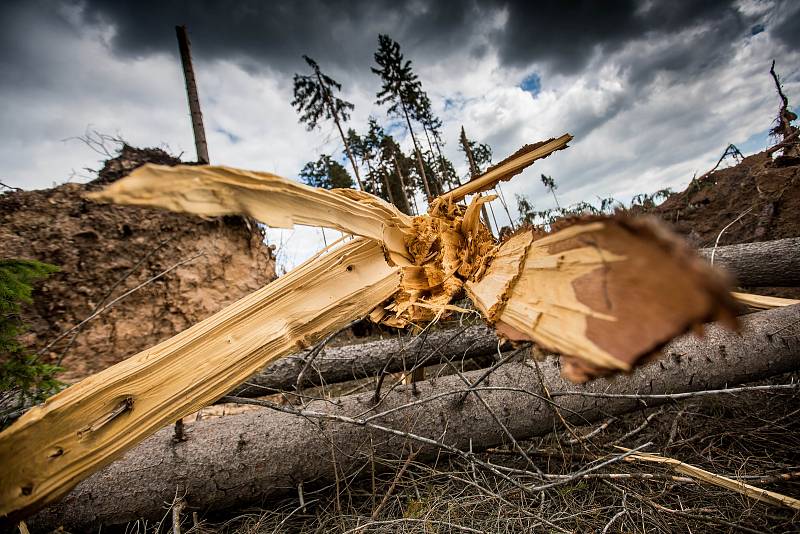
(20, 371)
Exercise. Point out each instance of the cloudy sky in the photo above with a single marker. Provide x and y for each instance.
(653, 91)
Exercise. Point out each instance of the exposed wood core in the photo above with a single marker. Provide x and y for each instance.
(605, 292)
(508, 168)
(609, 291)
(215, 190)
(91, 423)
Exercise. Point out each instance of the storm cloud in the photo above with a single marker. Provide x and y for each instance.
(652, 90)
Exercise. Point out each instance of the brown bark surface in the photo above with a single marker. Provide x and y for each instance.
(340, 364)
(185, 49)
(242, 459)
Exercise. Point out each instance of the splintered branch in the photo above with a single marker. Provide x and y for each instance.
(62, 444)
(606, 293)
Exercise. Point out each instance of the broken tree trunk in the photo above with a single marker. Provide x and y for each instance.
(191, 92)
(351, 362)
(93, 422)
(750, 263)
(763, 264)
(607, 293)
(235, 460)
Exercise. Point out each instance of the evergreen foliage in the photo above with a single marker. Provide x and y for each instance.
(314, 98)
(326, 173)
(19, 370)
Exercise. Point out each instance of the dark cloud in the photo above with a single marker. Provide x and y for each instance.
(563, 35)
(567, 35)
(787, 28)
(274, 35)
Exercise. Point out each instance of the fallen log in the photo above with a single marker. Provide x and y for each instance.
(764, 264)
(351, 362)
(231, 461)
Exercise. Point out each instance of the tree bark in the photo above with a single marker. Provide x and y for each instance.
(419, 155)
(191, 91)
(764, 264)
(340, 364)
(236, 460)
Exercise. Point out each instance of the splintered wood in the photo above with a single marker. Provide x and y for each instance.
(605, 293)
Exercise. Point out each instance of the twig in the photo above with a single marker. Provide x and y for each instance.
(616, 516)
(412, 454)
(111, 290)
(588, 470)
(177, 509)
(11, 187)
(716, 243)
(590, 435)
(675, 396)
(492, 369)
(639, 428)
(317, 350)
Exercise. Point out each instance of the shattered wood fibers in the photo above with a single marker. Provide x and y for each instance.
(604, 292)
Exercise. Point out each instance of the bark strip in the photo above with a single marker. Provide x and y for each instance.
(235, 460)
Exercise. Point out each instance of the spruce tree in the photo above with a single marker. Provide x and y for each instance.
(400, 88)
(314, 100)
(326, 173)
(20, 371)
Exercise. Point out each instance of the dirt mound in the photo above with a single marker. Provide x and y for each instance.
(761, 194)
(105, 251)
(128, 159)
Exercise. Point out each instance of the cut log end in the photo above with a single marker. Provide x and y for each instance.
(606, 293)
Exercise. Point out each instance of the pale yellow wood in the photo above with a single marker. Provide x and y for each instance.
(606, 293)
(762, 302)
(52, 447)
(759, 494)
(278, 202)
(505, 170)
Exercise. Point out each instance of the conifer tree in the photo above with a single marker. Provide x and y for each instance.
(314, 100)
(400, 88)
(20, 371)
(326, 173)
(423, 113)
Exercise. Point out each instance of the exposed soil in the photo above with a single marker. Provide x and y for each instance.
(105, 251)
(762, 193)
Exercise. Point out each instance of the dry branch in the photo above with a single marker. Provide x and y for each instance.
(231, 461)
